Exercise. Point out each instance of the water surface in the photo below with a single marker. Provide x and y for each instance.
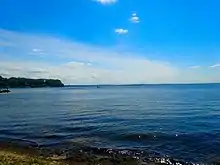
(182, 121)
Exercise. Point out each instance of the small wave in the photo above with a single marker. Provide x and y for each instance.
(48, 136)
(77, 129)
(146, 136)
(142, 156)
(19, 142)
(11, 133)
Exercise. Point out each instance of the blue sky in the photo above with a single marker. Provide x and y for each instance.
(131, 41)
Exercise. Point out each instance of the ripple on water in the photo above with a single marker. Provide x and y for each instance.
(181, 121)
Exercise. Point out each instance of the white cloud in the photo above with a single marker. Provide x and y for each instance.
(202, 75)
(121, 31)
(36, 50)
(74, 63)
(134, 18)
(106, 2)
(215, 66)
(195, 67)
(77, 63)
(78, 73)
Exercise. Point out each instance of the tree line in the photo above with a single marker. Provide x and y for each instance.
(14, 82)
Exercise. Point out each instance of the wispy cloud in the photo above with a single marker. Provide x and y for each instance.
(77, 63)
(215, 66)
(106, 2)
(134, 18)
(121, 31)
(36, 50)
(195, 67)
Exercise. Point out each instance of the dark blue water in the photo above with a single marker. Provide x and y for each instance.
(182, 121)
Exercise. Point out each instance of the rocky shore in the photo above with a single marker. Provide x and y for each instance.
(17, 155)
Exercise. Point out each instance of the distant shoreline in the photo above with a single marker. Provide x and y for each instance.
(18, 82)
(103, 85)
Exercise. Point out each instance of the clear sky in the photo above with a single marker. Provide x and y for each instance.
(111, 41)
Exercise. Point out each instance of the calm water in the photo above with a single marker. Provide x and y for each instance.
(182, 121)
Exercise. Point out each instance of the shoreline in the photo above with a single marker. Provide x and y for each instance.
(12, 153)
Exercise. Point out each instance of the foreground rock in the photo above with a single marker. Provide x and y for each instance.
(26, 155)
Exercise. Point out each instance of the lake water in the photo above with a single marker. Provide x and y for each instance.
(182, 121)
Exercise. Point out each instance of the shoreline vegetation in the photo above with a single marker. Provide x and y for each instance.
(15, 82)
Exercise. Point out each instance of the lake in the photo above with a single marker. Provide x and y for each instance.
(181, 121)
